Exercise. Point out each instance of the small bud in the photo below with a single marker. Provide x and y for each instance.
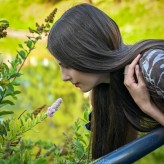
(37, 25)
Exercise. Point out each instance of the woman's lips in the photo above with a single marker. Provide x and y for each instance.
(77, 84)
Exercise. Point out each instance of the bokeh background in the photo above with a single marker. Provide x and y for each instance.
(41, 82)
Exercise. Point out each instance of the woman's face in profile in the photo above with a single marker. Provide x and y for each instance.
(84, 81)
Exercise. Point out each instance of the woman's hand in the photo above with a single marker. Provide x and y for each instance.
(134, 82)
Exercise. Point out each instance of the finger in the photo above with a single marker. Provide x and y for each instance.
(128, 78)
(126, 70)
(131, 68)
(135, 61)
(139, 74)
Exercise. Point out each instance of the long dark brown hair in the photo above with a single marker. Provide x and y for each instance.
(88, 40)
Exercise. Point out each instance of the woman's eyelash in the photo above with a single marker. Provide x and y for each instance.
(62, 65)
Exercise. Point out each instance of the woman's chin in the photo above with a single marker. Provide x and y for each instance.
(84, 90)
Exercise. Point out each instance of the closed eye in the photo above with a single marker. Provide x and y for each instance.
(63, 65)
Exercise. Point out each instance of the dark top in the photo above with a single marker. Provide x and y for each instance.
(152, 67)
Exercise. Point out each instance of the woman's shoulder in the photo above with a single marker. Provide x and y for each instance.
(153, 58)
(153, 54)
(152, 67)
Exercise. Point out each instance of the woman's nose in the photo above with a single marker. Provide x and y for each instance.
(65, 76)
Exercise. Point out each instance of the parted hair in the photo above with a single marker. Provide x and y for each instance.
(88, 40)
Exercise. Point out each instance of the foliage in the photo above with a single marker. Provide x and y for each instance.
(3, 26)
(12, 131)
(10, 72)
(76, 146)
(13, 146)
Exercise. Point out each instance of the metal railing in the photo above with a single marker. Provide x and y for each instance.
(134, 150)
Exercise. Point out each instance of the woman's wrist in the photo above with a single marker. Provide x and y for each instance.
(148, 107)
(153, 111)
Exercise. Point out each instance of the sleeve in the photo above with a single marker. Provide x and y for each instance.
(152, 67)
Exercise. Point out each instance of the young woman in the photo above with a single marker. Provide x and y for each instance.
(88, 46)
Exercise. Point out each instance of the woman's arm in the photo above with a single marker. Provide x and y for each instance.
(134, 82)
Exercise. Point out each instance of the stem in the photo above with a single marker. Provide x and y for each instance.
(22, 114)
(22, 63)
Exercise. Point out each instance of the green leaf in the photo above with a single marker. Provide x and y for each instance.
(22, 54)
(19, 61)
(15, 75)
(10, 88)
(20, 45)
(7, 102)
(13, 94)
(41, 160)
(80, 147)
(6, 123)
(6, 68)
(86, 115)
(2, 161)
(6, 112)
(17, 92)
(15, 83)
(29, 44)
(4, 21)
(4, 82)
(38, 37)
(2, 130)
(1, 91)
(32, 31)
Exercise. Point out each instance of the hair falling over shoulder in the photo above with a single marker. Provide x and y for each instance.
(88, 40)
(116, 118)
(109, 127)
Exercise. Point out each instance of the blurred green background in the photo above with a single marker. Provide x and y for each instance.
(41, 81)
